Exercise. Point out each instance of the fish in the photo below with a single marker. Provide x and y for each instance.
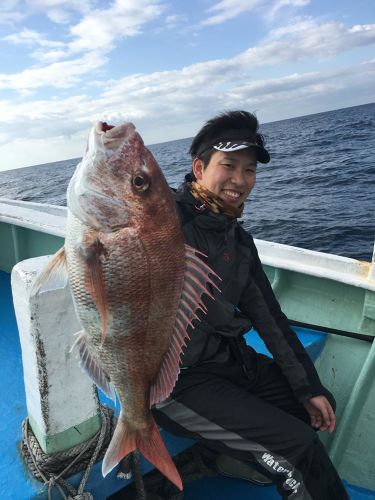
(136, 286)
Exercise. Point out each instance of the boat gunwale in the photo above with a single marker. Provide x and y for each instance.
(337, 268)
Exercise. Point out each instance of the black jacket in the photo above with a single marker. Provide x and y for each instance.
(246, 300)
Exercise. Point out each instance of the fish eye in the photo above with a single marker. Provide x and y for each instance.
(141, 182)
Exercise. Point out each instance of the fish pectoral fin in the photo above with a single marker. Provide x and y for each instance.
(54, 270)
(197, 277)
(89, 364)
(149, 442)
(95, 279)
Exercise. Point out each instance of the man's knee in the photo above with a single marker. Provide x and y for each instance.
(305, 439)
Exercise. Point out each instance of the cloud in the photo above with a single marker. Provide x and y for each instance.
(104, 27)
(59, 75)
(288, 44)
(228, 9)
(172, 104)
(94, 36)
(175, 20)
(281, 4)
(294, 86)
(99, 29)
(163, 109)
(59, 11)
(332, 34)
(307, 38)
(31, 37)
(47, 51)
(163, 97)
(9, 14)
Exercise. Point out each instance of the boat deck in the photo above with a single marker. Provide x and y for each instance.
(16, 482)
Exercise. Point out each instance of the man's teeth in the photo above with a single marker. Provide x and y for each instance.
(231, 194)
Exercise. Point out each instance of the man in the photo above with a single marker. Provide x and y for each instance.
(234, 400)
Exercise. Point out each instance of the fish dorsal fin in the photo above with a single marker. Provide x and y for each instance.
(195, 285)
(89, 365)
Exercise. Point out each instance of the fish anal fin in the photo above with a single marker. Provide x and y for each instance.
(149, 443)
(90, 365)
(197, 278)
(55, 269)
(95, 280)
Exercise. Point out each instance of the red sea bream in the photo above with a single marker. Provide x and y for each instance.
(135, 284)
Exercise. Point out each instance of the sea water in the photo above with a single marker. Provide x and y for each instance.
(318, 191)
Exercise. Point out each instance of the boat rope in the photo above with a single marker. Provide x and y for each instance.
(53, 468)
(130, 466)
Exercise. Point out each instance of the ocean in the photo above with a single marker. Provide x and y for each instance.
(318, 191)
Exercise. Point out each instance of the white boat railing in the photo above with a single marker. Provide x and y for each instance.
(50, 219)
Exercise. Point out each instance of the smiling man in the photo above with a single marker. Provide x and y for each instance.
(245, 406)
(229, 175)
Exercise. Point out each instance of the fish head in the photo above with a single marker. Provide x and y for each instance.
(118, 181)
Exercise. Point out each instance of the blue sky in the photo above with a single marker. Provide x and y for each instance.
(170, 65)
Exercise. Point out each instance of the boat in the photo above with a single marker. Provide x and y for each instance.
(329, 299)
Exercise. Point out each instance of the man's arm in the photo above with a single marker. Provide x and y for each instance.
(264, 286)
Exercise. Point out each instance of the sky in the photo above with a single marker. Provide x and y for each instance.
(169, 65)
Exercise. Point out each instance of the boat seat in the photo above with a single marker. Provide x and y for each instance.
(312, 340)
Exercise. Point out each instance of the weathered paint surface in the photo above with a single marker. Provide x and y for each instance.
(49, 219)
(347, 369)
(29, 230)
(333, 267)
(59, 396)
(323, 302)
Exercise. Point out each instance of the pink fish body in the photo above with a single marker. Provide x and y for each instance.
(135, 284)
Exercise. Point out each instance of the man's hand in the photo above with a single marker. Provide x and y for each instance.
(321, 413)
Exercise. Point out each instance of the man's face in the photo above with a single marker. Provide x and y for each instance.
(229, 175)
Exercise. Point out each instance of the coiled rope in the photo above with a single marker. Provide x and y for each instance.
(51, 469)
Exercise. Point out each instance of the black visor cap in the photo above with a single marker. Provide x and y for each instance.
(235, 140)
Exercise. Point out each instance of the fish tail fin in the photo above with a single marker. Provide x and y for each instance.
(151, 446)
(122, 443)
(56, 268)
(153, 449)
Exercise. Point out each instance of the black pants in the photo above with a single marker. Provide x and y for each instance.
(253, 417)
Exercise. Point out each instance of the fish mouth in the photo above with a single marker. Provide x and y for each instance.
(111, 136)
(104, 126)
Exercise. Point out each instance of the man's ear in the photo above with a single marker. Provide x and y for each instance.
(198, 168)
